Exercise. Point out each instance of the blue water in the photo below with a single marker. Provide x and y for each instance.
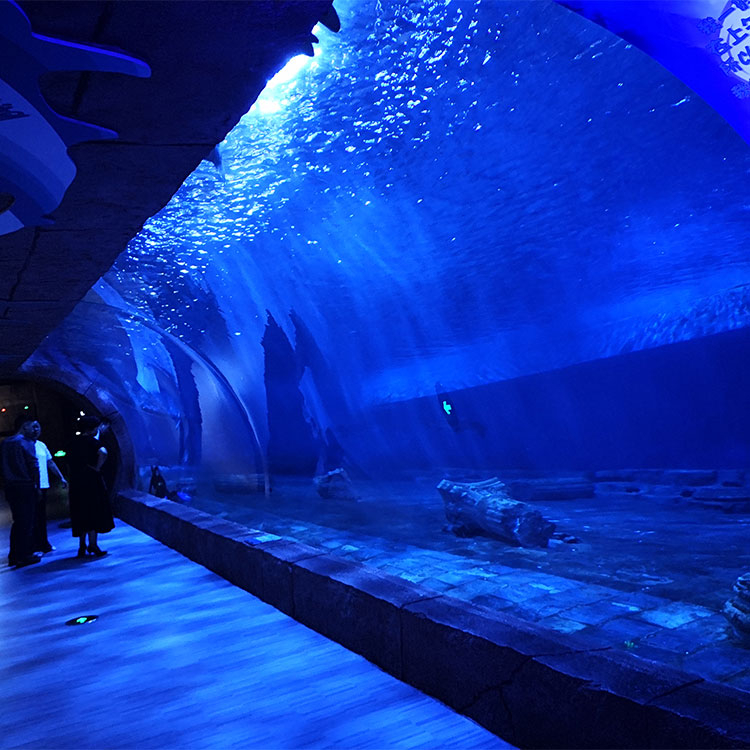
(450, 198)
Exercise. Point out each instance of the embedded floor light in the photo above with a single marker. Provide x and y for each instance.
(82, 620)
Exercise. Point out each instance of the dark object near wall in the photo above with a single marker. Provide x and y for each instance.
(158, 485)
(486, 508)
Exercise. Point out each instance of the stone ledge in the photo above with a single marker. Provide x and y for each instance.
(355, 606)
(533, 687)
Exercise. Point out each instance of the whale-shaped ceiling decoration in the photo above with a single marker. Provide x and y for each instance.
(35, 169)
(705, 43)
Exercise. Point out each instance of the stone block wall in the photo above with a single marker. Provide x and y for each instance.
(726, 490)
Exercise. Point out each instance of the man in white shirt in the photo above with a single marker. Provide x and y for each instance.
(46, 464)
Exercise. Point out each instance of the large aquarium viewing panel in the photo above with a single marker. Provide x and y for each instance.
(449, 198)
(452, 333)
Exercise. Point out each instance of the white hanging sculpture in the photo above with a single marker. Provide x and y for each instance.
(35, 169)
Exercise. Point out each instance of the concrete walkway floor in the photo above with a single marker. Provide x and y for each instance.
(179, 658)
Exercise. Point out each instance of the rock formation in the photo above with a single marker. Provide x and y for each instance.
(335, 484)
(486, 508)
(737, 610)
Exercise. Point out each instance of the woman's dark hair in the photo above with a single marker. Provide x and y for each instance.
(89, 422)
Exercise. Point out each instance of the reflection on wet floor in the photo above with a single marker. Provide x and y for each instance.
(649, 575)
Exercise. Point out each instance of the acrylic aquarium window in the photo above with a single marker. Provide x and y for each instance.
(466, 240)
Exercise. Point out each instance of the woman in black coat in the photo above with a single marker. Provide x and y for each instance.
(90, 512)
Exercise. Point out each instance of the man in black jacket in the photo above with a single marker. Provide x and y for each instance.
(20, 470)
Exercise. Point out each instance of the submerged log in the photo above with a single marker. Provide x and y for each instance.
(486, 508)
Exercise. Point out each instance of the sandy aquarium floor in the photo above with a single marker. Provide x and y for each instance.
(648, 576)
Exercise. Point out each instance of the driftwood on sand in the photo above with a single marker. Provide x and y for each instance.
(485, 508)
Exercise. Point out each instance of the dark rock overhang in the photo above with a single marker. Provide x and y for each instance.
(209, 62)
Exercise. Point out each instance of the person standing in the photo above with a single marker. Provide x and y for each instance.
(90, 512)
(46, 465)
(20, 471)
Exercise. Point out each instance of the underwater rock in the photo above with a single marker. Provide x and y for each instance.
(180, 495)
(725, 490)
(561, 536)
(335, 484)
(725, 499)
(486, 508)
(737, 610)
(557, 488)
(732, 477)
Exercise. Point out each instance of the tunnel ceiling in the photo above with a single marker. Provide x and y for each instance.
(209, 61)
